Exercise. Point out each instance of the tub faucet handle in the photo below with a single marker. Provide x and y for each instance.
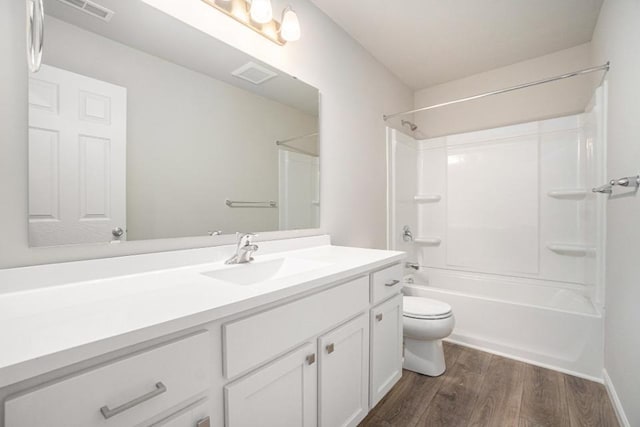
(407, 235)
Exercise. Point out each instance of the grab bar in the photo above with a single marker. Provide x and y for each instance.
(246, 204)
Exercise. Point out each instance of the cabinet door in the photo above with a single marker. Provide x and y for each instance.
(281, 394)
(386, 347)
(344, 374)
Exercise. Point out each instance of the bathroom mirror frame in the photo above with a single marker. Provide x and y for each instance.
(212, 235)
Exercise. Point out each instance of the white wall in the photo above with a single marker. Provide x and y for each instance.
(537, 103)
(617, 38)
(355, 91)
(180, 173)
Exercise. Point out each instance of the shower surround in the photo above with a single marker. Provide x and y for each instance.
(506, 229)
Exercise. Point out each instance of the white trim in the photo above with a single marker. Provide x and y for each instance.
(459, 340)
(615, 400)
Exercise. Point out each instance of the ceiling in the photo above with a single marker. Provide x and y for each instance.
(149, 30)
(428, 42)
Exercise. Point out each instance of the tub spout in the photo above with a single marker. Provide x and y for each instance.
(413, 265)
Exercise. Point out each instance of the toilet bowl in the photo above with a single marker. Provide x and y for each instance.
(425, 323)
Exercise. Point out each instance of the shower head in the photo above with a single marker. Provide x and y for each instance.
(412, 126)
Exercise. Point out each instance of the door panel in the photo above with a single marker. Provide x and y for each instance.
(43, 174)
(77, 158)
(344, 374)
(386, 347)
(282, 394)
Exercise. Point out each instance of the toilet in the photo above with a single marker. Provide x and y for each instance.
(425, 323)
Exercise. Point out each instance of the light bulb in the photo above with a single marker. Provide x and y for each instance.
(261, 11)
(290, 28)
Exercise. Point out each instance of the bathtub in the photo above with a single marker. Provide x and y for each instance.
(549, 326)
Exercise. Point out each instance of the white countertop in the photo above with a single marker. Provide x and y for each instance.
(42, 329)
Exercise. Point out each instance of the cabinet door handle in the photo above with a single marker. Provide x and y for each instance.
(379, 317)
(311, 359)
(204, 422)
(392, 283)
(108, 413)
(330, 348)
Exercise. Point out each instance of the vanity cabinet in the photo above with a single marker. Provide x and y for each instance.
(284, 393)
(324, 358)
(386, 347)
(254, 339)
(344, 374)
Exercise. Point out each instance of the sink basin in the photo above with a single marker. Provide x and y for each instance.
(261, 271)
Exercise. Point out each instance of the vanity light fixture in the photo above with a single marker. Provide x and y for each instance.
(261, 11)
(258, 15)
(290, 27)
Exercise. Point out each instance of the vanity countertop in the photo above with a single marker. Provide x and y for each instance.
(46, 328)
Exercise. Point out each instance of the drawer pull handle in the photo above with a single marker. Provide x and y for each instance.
(392, 283)
(379, 317)
(330, 348)
(108, 413)
(311, 359)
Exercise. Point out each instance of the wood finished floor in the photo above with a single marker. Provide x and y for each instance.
(481, 389)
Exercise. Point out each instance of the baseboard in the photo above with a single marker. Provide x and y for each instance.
(455, 340)
(615, 400)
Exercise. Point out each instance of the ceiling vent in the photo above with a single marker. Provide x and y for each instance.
(254, 73)
(90, 8)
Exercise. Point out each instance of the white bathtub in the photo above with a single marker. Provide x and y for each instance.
(543, 325)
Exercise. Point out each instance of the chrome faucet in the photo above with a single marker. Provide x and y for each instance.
(244, 250)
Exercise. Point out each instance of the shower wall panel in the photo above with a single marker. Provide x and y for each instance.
(511, 201)
(492, 208)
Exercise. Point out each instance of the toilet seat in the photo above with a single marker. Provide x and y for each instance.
(425, 308)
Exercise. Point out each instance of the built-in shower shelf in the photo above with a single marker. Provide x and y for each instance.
(427, 198)
(571, 249)
(428, 241)
(572, 193)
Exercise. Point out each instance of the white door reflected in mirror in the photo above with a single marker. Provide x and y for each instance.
(77, 158)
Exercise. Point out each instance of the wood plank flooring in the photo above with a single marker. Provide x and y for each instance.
(484, 390)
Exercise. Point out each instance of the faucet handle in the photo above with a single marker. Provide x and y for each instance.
(245, 238)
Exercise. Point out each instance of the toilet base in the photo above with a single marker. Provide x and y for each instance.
(424, 357)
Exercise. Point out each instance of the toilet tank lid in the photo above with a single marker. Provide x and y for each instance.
(424, 307)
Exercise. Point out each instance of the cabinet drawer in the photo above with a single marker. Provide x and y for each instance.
(256, 339)
(122, 393)
(385, 283)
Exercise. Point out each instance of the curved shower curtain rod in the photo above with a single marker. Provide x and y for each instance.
(604, 67)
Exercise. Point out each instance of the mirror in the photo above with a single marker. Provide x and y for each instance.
(142, 127)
